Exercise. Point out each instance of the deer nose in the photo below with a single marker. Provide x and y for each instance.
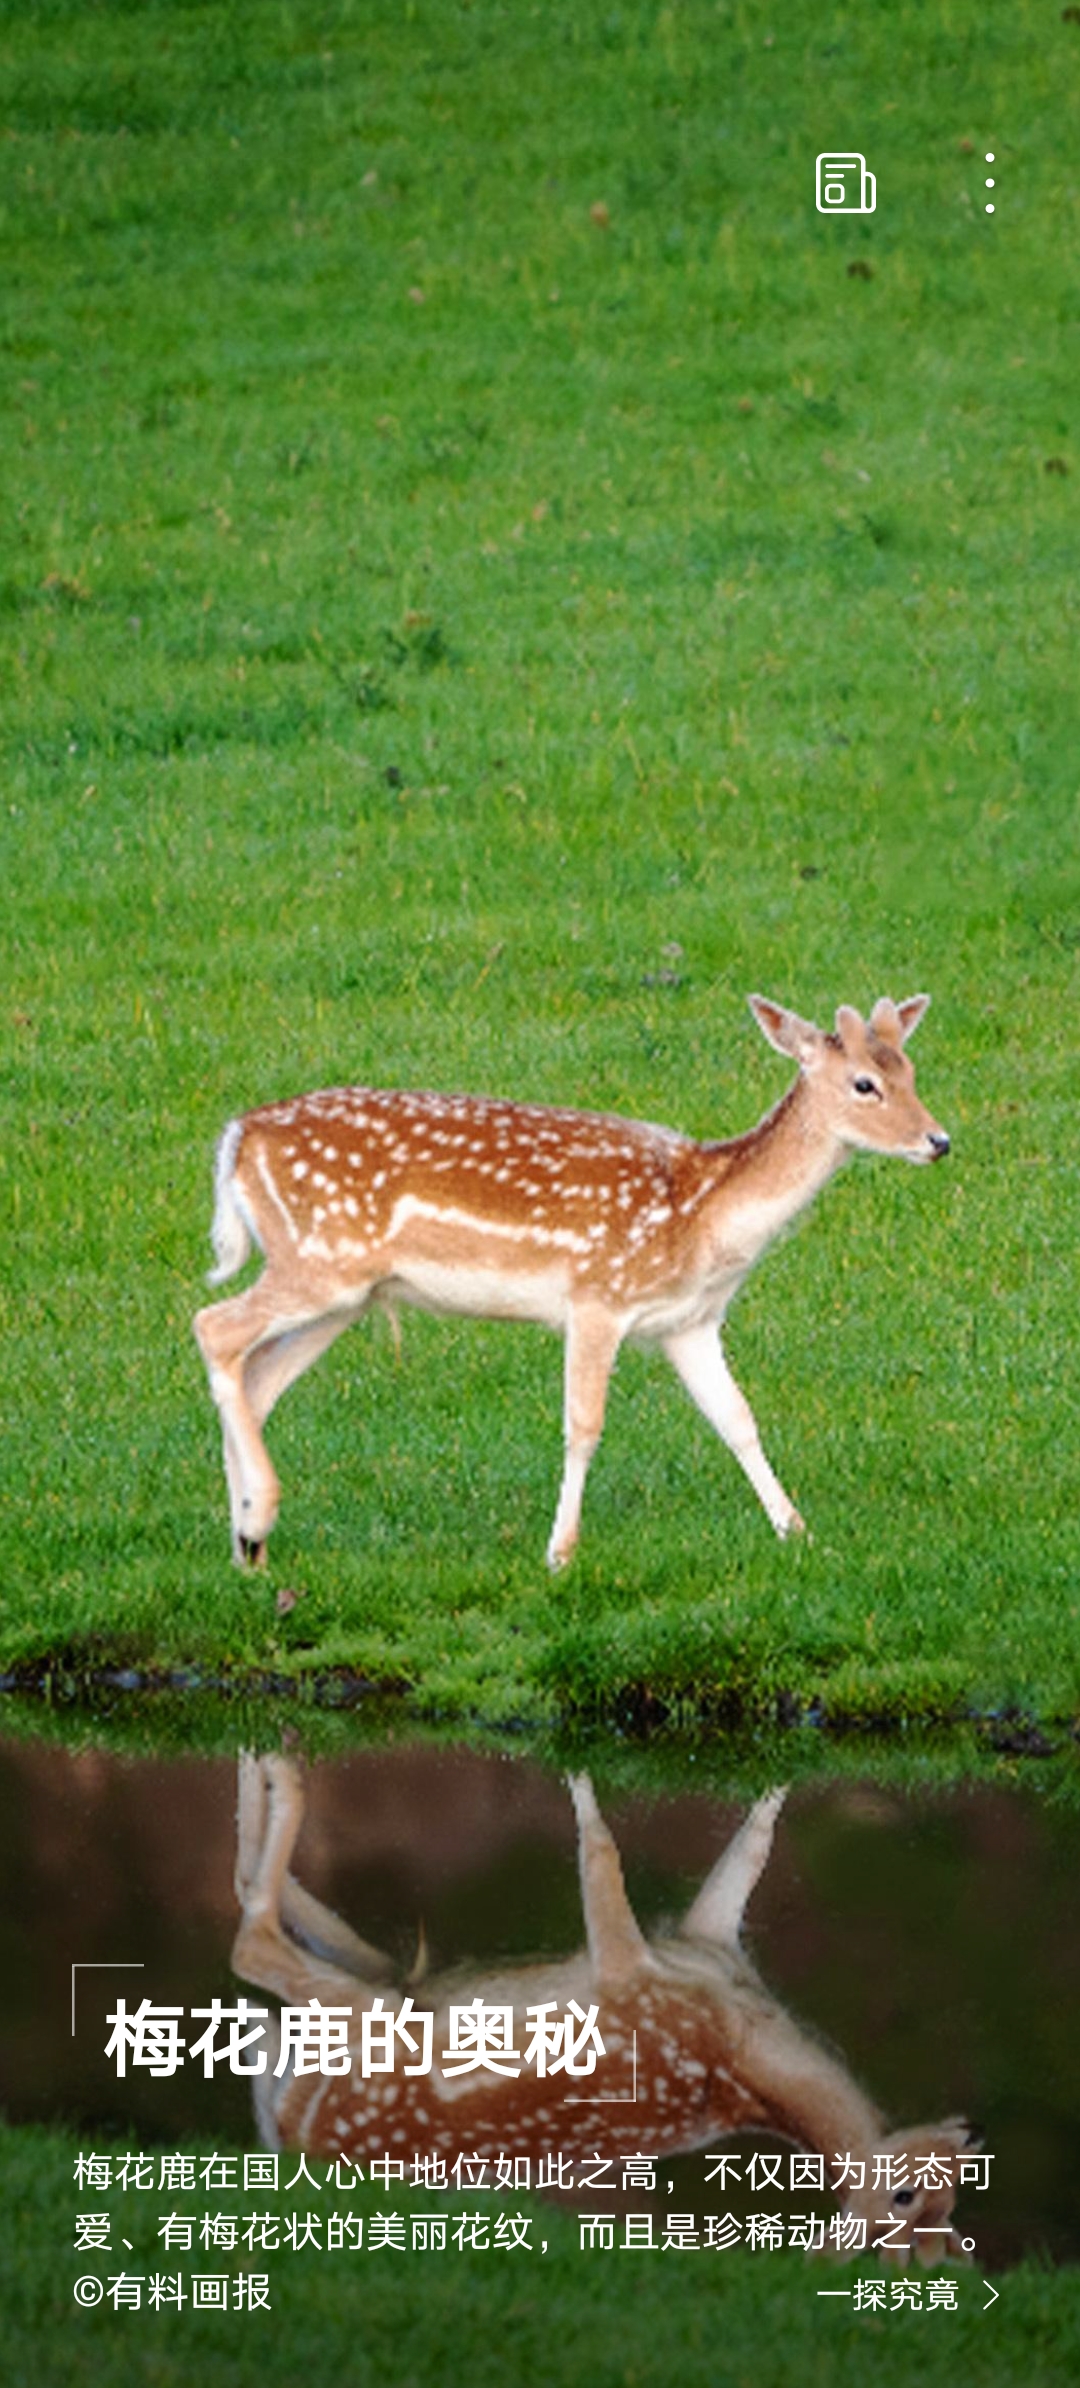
(938, 1142)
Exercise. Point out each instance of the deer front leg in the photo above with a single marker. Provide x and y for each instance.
(717, 1911)
(698, 1359)
(618, 1950)
(592, 1340)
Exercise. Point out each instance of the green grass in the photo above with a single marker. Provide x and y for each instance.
(622, 2320)
(426, 608)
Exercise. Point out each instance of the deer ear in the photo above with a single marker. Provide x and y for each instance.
(910, 1013)
(850, 1028)
(962, 2133)
(895, 1022)
(884, 1022)
(952, 2136)
(799, 1039)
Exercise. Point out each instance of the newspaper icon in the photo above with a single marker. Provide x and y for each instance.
(845, 185)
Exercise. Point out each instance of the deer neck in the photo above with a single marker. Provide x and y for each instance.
(823, 2111)
(754, 1185)
(768, 2066)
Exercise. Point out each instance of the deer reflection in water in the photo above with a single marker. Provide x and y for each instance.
(695, 2047)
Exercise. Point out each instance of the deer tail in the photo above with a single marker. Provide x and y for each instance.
(231, 1230)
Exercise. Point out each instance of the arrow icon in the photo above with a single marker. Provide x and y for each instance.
(992, 2298)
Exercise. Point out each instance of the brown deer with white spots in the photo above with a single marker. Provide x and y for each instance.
(605, 1229)
(694, 2047)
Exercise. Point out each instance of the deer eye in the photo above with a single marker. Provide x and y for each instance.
(866, 1086)
(903, 2197)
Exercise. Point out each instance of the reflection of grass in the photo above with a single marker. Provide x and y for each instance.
(395, 680)
(563, 2316)
(683, 1753)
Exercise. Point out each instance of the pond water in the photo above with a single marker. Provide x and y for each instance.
(924, 1951)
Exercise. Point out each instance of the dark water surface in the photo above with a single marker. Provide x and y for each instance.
(932, 1943)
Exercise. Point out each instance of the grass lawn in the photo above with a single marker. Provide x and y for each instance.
(486, 585)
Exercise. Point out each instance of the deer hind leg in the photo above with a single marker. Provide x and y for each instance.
(329, 1938)
(618, 1949)
(252, 1822)
(288, 1941)
(592, 1340)
(227, 1333)
(698, 1358)
(251, 1357)
(718, 1910)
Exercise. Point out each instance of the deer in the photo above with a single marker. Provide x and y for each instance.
(605, 1229)
(697, 2046)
